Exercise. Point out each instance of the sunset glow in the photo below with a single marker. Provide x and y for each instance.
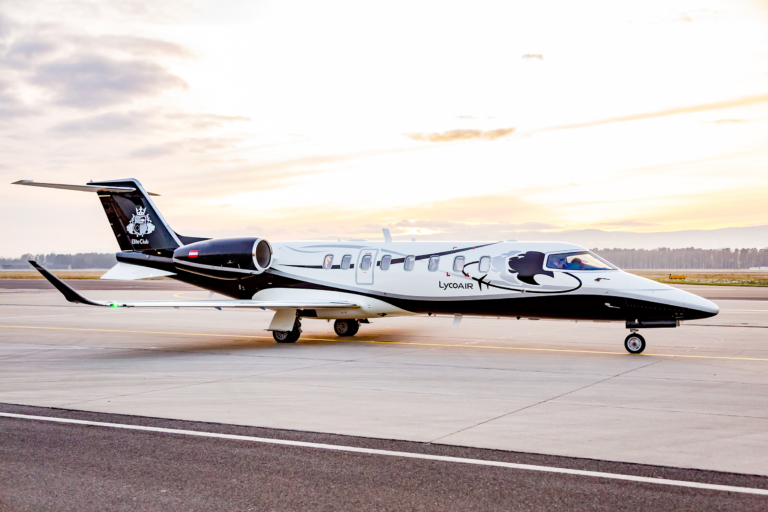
(335, 119)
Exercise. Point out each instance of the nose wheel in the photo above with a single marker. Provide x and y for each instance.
(634, 343)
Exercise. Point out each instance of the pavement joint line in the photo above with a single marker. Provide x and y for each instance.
(390, 453)
(731, 325)
(436, 345)
(547, 400)
(202, 383)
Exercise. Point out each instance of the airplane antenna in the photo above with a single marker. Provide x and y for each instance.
(387, 235)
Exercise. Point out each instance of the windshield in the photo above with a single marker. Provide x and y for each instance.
(578, 261)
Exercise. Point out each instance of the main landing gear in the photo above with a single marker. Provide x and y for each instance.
(342, 327)
(346, 327)
(634, 343)
(288, 336)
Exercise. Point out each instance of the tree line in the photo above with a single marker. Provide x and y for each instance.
(661, 258)
(689, 258)
(82, 260)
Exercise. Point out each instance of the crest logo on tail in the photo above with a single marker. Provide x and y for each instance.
(140, 224)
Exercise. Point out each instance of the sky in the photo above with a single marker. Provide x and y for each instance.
(438, 120)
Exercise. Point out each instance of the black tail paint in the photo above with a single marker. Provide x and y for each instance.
(135, 220)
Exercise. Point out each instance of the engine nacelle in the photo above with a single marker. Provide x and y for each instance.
(225, 258)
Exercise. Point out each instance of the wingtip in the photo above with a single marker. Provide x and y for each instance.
(69, 293)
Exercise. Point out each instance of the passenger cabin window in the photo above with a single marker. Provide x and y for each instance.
(345, 261)
(584, 260)
(458, 264)
(365, 263)
(410, 262)
(385, 261)
(485, 264)
(328, 262)
(434, 262)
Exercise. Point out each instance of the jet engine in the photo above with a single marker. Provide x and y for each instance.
(225, 258)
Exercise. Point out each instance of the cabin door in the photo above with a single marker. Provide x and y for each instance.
(366, 264)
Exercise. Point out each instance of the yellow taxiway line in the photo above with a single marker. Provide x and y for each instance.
(407, 343)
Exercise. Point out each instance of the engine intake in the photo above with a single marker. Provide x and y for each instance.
(226, 258)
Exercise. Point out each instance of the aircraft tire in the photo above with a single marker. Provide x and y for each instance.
(345, 328)
(288, 336)
(634, 343)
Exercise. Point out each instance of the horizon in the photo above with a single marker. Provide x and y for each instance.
(336, 120)
(638, 245)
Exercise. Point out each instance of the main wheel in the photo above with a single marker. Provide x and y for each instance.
(288, 336)
(346, 327)
(634, 343)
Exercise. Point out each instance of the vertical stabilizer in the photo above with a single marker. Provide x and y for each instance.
(134, 218)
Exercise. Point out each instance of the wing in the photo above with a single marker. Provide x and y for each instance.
(73, 296)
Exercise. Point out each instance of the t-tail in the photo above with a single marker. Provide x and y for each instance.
(135, 220)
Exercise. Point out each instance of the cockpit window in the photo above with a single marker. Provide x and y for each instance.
(578, 261)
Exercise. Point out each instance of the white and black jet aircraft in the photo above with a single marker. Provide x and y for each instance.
(353, 281)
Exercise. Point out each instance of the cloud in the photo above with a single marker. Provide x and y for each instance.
(738, 102)
(93, 81)
(454, 135)
(30, 49)
(722, 121)
(10, 106)
(120, 11)
(147, 122)
(444, 226)
(6, 26)
(189, 145)
(141, 46)
(624, 223)
(104, 123)
(204, 121)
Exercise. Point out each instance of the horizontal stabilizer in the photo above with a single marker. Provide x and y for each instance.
(128, 272)
(81, 188)
(73, 296)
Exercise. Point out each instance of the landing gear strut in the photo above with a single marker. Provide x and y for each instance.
(634, 343)
(288, 336)
(346, 327)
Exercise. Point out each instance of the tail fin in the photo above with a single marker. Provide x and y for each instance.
(136, 222)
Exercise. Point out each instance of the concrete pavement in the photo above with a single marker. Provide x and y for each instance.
(696, 399)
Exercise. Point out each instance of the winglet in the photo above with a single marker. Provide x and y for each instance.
(69, 293)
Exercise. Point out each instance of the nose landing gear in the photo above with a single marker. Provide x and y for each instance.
(634, 343)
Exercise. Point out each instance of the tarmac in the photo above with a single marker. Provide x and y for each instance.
(155, 464)
(696, 399)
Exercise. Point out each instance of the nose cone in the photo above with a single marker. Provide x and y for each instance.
(699, 307)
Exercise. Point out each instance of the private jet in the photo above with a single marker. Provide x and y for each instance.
(354, 281)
